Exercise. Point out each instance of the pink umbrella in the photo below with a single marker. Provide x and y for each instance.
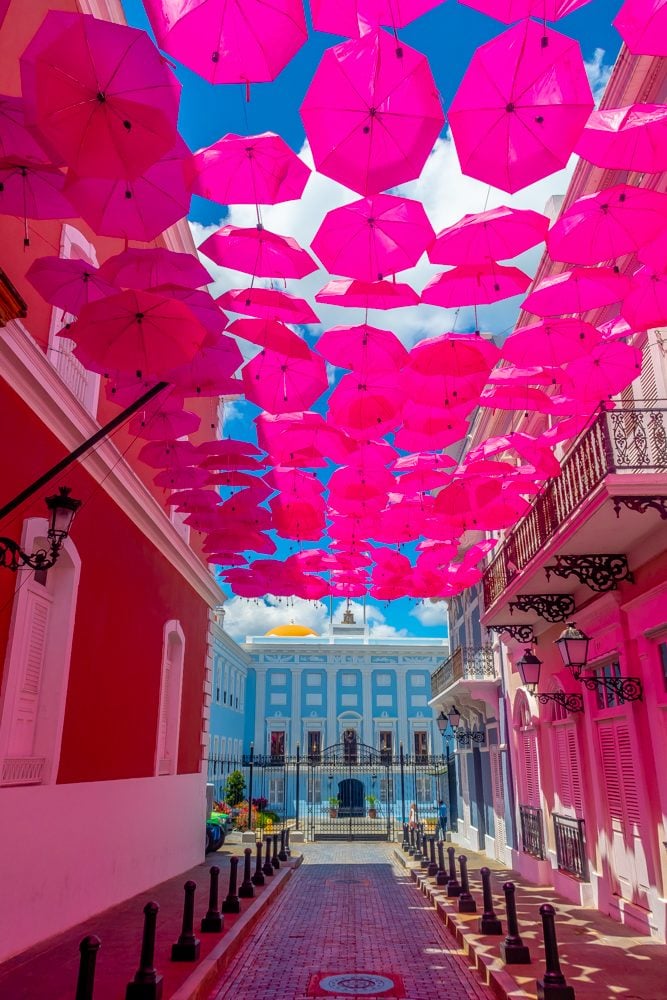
(228, 446)
(373, 237)
(280, 383)
(348, 484)
(181, 479)
(193, 501)
(629, 138)
(646, 304)
(372, 113)
(230, 42)
(167, 423)
(151, 267)
(16, 139)
(367, 404)
(515, 398)
(352, 294)
(100, 93)
(68, 284)
(168, 454)
(201, 304)
(272, 334)
(457, 354)
(607, 224)
(615, 329)
(509, 11)
(138, 208)
(33, 191)
(654, 254)
(348, 16)
(521, 106)
(607, 370)
(576, 291)
(424, 462)
(499, 234)
(642, 24)
(226, 559)
(300, 519)
(232, 478)
(295, 483)
(209, 371)
(248, 170)
(268, 303)
(421, 481)
(551, 342)
(259, 252)
(475, 284)
(368, 455)
(362, 348)
(428, 427)
(136, 331)
(443, 389)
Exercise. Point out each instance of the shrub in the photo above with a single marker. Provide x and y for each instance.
(234, 788)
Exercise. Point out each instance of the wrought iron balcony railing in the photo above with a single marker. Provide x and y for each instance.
(465, 663)
(620, 441)
(532, 835)
(571, 846)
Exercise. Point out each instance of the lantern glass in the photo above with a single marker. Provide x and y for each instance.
(454, 717)
(62, 508)
(573, 647)
(529, 667)
(443, 722)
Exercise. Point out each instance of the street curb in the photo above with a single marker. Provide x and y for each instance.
(475, 946)
(199, 984)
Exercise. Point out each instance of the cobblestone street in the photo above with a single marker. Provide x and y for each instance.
(349, 924)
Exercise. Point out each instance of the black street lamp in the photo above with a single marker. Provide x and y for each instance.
(463, 736)
(443, 722)
(529, 668)
(62, 508)
(573, 647)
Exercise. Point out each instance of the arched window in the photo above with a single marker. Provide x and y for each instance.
(529, 772)
(34, 689)
(171, 682)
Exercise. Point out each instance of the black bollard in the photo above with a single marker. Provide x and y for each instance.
(552, 985)
(275, 860)
(512, 949)
(441, 877)
(489, 923)
(212, 922)
(268, 867)
(85, 983)
(417, 856)
(187, 947)
(466, 903)
(287, 846)
(246, 890)
(147, 984)
(405, 844)
(258, 877)
(424, 863)
(432, 870)
(231, 902)
(412, 848)
(282, 853)
(453, 887)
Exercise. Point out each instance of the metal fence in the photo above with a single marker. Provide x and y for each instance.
(571, 846)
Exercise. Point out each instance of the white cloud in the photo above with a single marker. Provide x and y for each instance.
(431, 614)
(245, 617)
(598, 73)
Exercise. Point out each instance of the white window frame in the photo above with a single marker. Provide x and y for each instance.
(169, 703)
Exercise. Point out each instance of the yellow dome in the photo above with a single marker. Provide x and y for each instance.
(287, 630)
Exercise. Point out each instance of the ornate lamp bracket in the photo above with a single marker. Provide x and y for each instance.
(624, 688)
(522, 633)
(552, 607)
(467, 737)
(641, 504)
(599, 571)
(570, 702)
(13, 557)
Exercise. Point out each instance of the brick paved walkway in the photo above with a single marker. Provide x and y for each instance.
(349, 909)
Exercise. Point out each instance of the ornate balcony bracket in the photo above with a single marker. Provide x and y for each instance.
(13, 557)
(467, 737)
(570, 702)
(552, 607)
(624, 688)
(522, 633)
(599, 571)
(641, 504)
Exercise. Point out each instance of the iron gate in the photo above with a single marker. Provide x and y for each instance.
(350, 794)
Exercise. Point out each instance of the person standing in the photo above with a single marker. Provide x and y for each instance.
(442, 819)
(413, 816)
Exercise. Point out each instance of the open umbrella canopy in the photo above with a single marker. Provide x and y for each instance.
(257, 251)
(521, 106)
(242, 41)
(268, 303)
(456, 354)
(373, 237)
(201, 304)
(367, 404)
(152, 267)
(642, 24)
(362, 348)
(350, 16)
(499, 234)
(576, 291)
(354, 294)
(272, 334)
(509, 11)
(629, 138)
(17, 141)
(100, 94)
(474, 285)
(248, 170)
(606, 370)
(645, 306)
(281, 383)
(69, 284)
(607, 224)
(208, 372)
(33, 191)
(372, 113)
(550, 342)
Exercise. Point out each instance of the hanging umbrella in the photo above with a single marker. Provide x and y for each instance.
(33, 191)
(510, 11)
(138, 208)
(362, 348)
(151, 267)
(428, 427)
(372, 113)
(166, 423)
(280, 383)
(629, 138)
(449, 392)
(295, 484)
(518, 397)
(348, 16)
(16, 140)
(607, 224)
(68, 284)
(654, 254)
(646, 304)
(499, 234)
(248, 170)
(368, 455)
(259, 252)
(353, 294)
(230, 41)
(268, 303)
(521, 106)
(366, 405)
(474, 285)
(550, 342)
(348, 484)
(226, 559)
(228, 446)
(373, 237)
(299, 519)
(608, 369)
(576, 291)
(456, 354)
(100, 93)
(642, 24)
(272, 334)
(232, 479)
(209, 371)
(192, 501)
(421, 461)
(181, 479)
(201, 304)
(421, 481)
(172, 455)
(615, 329)
(136, 332)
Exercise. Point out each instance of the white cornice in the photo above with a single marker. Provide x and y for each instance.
(27, 370)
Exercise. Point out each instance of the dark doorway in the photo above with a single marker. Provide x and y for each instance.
(351, 797)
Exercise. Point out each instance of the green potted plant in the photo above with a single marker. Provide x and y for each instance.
(334, 802)
(372, 806)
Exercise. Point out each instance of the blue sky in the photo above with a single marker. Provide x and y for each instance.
(448, 35)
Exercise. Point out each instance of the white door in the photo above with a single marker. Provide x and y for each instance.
(498, 793)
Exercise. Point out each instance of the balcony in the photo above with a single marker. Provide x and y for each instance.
(474, 664)
(532, 836)
(619, 463)
(571, 846)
